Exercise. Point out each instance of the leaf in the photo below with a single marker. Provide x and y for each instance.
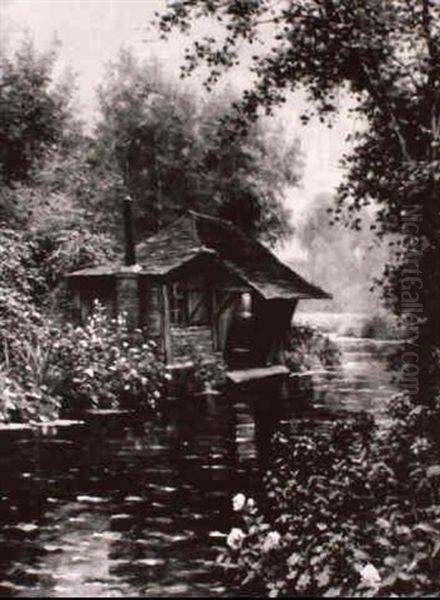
(333, 592)
(324, 577)
(383, 523)
(383, 542)
(390, 561)
(426, 527)
(433, 471)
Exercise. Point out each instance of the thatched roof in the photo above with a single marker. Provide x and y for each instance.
(194, 235)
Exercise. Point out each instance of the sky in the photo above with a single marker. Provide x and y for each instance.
(91, 33)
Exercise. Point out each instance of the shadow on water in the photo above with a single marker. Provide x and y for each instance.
(117, 507)
(123, 508)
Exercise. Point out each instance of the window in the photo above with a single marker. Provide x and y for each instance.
(189, 306)
(199, 306)
(178, 304)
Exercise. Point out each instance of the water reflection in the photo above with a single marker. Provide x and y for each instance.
(117, 507)
(134, 510)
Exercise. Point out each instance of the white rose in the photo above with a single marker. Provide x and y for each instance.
(272, 541)
(235, 538)
(238, 502)
(370, 575)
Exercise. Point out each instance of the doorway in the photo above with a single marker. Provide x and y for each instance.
(241, 336)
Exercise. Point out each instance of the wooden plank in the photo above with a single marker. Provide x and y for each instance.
(165, 334)
(213, 315)
(245, 375)
(195, 309)
(228, 297)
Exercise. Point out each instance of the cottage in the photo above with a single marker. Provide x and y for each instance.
(200, 282)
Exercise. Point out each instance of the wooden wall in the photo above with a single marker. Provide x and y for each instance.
(150, 306)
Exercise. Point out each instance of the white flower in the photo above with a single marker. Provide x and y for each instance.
(251, 504)
(238, 502)
(370, 575)
(272, 541)
(235, 538)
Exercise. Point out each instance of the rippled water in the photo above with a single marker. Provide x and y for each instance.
(115, 507)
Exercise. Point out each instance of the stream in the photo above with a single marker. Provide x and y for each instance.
(116, 507)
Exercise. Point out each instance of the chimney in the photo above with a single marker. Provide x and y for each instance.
(130, 255)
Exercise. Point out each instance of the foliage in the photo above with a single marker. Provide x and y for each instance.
(385, 56)
(62, 241)
(167, 148)
(351, 512)
(48, 226)
(206, 372)
(27, 378)
(105, 365)
(308, 348)
(35, 111)
(19, 282)
(46, 367)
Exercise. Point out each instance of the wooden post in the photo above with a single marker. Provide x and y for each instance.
(130, 254)
(127, 296)
(166, 334)
(214, 325)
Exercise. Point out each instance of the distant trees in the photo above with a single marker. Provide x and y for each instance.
(34, 111)
(339, 258)
(46, 178)
(174, 152)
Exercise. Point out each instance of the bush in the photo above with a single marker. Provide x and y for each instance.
(354, 512)
(23, 400)
(24, 354)
(380, 328)
(308, 348)
(45, 369)
(105, 365)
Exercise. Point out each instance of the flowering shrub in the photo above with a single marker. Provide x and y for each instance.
(105, 365)
(44, 368)
(24, 369)
(354, 512)
(23, 400)
(308, 348)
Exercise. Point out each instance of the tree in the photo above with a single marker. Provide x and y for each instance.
(385, 55)
(166, 145)
(35, 110)
(54, 191)
(339, 258)
(247, 175)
